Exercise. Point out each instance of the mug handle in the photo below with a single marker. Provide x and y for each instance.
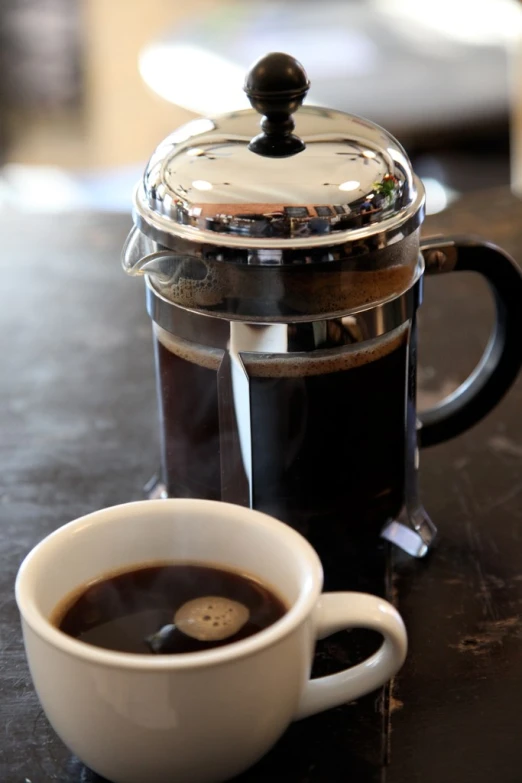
(502, 358)
(343, 611)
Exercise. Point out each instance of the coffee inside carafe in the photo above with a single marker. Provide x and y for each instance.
(328, 430)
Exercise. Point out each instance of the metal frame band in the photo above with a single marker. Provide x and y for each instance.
(214, 331)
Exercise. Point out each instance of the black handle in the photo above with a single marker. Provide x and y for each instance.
(502, 357)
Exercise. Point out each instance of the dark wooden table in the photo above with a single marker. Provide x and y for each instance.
(78, 432)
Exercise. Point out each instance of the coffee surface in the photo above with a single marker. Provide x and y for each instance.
(169, 608)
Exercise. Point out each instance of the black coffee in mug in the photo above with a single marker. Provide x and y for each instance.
(168, 608)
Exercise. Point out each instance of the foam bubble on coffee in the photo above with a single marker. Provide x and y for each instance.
(193, 280)
(211, 618)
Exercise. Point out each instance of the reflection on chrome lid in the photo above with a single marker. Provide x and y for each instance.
(351, 178)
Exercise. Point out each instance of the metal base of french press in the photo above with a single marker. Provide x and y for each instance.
(155, 489)
(412, 531)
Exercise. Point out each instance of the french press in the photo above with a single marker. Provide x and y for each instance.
(283, 271)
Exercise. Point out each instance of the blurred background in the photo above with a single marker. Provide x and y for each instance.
(89, 87)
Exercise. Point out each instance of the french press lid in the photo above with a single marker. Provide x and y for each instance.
(302, 176)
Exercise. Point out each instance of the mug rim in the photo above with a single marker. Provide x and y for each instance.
(309, 591)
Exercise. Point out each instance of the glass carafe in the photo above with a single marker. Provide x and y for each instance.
(283, 274)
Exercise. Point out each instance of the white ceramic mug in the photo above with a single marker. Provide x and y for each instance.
(200, 717)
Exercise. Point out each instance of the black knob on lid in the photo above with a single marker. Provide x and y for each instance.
(276, 87)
